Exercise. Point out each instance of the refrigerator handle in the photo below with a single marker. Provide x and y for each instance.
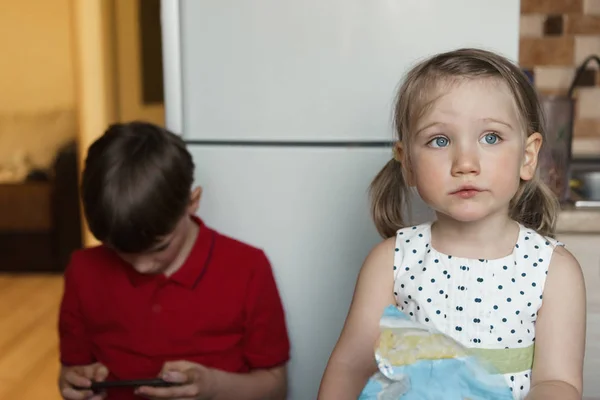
(171, 58)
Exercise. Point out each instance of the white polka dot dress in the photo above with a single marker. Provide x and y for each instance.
(489, 306)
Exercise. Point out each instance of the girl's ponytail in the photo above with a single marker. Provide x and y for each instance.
(536, 207)
(388, 195)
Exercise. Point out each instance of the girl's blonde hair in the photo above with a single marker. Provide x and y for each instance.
(534, 205)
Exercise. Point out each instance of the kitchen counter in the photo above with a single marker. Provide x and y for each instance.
(578, 220)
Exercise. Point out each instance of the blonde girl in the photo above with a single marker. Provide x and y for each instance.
(487, 271)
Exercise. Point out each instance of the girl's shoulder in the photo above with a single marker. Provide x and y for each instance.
(407, 233)
(532, 239)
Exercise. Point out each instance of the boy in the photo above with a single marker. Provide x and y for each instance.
(164, 295)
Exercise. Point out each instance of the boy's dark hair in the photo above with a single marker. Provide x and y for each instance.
(136, 185)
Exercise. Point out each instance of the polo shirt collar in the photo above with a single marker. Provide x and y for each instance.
(193, 268)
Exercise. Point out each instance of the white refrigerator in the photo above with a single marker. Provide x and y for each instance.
(286, 106)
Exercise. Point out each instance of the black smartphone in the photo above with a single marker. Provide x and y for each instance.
(97, 386)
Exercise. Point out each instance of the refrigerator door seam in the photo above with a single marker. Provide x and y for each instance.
(283, 143)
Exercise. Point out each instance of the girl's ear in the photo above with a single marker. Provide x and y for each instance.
(530, 157)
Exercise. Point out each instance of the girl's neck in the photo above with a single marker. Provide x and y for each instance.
(490, 238)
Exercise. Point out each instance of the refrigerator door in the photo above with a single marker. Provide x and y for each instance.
(314, 70)
(308, 209)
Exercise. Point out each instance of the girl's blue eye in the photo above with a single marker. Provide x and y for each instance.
(439, 142)
(491, 138)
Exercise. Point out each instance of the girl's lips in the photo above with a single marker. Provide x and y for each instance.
(466, 193)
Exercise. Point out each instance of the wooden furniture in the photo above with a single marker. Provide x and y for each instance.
(26, 240)
(40, 223)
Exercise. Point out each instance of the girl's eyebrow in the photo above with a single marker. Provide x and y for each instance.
(428, 126)
(497, 121)
(486, 119)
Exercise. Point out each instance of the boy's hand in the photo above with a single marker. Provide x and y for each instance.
(197, 382)
(82, 376)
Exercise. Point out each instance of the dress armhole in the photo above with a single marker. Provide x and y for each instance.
(398, 255)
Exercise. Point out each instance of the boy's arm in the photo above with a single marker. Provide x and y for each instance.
(77, 362)
(74, 341)
(266, 342)
(560, 332)
(352, 361)
(266, 350)
(73, 338)
(263, 384)
(199, 382)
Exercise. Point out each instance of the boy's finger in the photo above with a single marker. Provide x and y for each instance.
(75, 379)
(174, 392)
(180, 365)
(177, 377)
(101, 373)
(72, 394)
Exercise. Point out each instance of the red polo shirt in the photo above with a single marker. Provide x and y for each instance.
(221, 309)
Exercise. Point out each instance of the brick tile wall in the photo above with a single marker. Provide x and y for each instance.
(556, 36)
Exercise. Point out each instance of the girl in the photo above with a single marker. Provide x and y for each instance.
(469, 129)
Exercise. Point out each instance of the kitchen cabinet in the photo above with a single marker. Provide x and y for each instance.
(586, 248)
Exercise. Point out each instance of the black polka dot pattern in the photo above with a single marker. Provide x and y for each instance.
(482, 303)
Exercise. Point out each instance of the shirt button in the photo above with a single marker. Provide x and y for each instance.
(156, 308)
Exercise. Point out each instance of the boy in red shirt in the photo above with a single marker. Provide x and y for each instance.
(164, 295)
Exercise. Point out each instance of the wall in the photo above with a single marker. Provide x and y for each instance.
(37, 63)
(556, 36)
(36, 80)
(93, 28)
